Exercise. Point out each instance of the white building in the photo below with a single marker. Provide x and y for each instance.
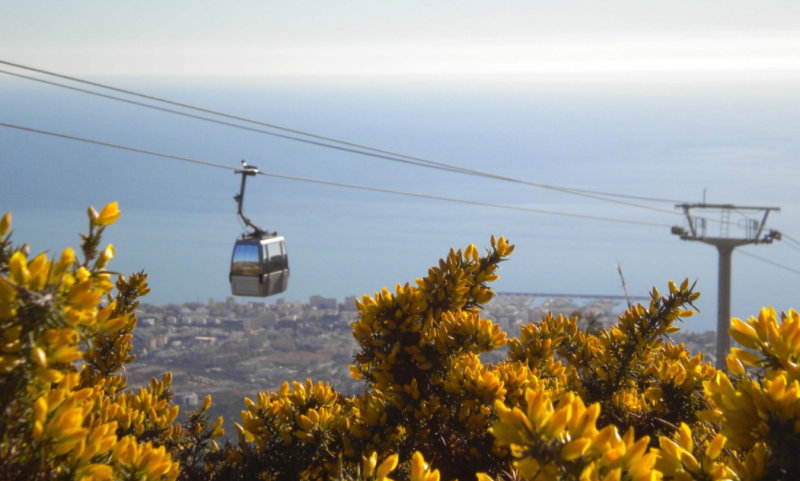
(186, 398)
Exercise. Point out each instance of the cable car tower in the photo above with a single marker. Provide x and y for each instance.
(725, 244)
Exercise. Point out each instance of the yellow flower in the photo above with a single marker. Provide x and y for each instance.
(150, 463)
(108, 215)
(386, 467)
(734, 366)
(5, 223)
(746, 357)
(18, 272)
(216, 430)
(39, 357)
(369, 464)
(8, 293)
(40, 410)
(97, 472)
(420, 471)
(105, 256)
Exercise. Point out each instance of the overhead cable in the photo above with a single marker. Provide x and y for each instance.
(789, 244)
(416, 161)
(338, 184)
(464, 201)
(222, 122)
(455, 168)
(116, 146)
(790, 239)
(767, 261)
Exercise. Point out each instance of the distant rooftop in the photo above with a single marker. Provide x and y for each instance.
(574, 296)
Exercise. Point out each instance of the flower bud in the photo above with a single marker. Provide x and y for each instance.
(39, 357)
(92, 214)
(40, 410)
(105, 256)
(5, 223)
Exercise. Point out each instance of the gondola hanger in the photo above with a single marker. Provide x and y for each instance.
(248, 171)
(259, 263)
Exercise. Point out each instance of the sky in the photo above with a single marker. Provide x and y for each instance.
(565, 40)
(662, 98)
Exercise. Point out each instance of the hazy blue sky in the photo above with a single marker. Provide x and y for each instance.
(562, 40)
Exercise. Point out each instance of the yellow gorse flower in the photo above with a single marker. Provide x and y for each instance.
(421, 471)
(386, 467)
(76, 421)
(105, 256)
(620, 403)
(108, 215)
(776, 344)
(680, 459)
(369, 465)
(5, 224)
(144, 461)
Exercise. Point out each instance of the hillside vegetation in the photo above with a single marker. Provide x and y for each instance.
(621, 404)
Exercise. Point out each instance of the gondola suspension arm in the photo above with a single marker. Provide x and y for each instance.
(247, 171)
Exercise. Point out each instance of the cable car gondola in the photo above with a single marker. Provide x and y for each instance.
(259, 263)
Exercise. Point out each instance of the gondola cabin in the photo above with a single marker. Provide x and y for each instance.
(259, 266)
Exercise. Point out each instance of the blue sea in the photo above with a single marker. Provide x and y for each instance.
(738, 140)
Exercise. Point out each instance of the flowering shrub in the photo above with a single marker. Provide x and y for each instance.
(623, 403)
(62, 422)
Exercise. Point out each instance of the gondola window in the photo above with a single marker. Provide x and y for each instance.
(245, 260)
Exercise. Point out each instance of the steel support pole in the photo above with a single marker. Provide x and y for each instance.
(724, 306)
(725, 245)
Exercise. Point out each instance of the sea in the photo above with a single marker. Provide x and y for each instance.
(728, 140)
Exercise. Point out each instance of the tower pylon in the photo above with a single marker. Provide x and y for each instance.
(698, 230)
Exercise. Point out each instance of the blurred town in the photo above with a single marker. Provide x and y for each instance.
(232, 350)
